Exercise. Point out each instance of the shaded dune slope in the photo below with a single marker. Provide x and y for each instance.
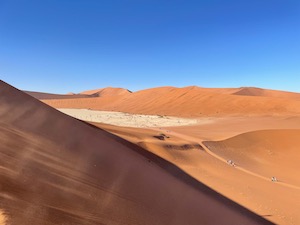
(278, 201)
(252, 91)
(43, 96)
(267, 153)
(58, 170)
(103, 92)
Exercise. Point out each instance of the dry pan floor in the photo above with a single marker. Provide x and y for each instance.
(130, 120)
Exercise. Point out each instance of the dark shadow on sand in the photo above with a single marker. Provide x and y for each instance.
(184, 177)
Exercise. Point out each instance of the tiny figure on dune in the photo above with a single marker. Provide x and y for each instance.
(274, 179)
(231, 163)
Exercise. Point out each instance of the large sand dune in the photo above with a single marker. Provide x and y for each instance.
(257, 155)
(192, 102)
(255, 128)
(58, 170)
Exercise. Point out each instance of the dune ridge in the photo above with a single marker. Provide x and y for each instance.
(44, 96)
(253, 91)
(108, 91)
(56, 169)
(188, 102)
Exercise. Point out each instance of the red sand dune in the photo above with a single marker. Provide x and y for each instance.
(268, 153)
(108, 91)
(258, 155)
(253, 91)
(188, 102)
(58, 170)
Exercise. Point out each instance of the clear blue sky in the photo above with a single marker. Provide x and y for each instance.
(73, 45)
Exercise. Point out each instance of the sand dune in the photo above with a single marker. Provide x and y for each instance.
(85, 94)
(3, 220)
(187, 102)
(250, 186)
(252, 91)
(268, 153)
(58, 170)
(43, 96)
(108, 91)
(257, 129)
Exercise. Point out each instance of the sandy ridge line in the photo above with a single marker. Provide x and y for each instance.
(245, 170)
(200, 142)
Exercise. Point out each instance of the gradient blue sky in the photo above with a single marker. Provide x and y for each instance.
(73, 45)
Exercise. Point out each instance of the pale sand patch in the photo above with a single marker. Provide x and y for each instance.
(3, 219)
(131, 120)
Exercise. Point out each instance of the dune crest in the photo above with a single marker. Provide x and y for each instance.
(189, 102)
(59, 170)
(260, 92)
(44, 96)
(108, 91)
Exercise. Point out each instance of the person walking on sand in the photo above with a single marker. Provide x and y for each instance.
(274, 179)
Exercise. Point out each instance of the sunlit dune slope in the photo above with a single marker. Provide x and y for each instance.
(188, 102)
(268, 153)
(58, 170)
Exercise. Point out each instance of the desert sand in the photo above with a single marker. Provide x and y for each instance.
(108, 91)
(59, 170)
(257, 157)
(2, 218)
(192, 102)
(56, 169)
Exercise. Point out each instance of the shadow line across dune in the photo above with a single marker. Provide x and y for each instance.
(95, 177)
(187, 179)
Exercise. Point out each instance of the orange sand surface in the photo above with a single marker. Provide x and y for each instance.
(257, 156)
(109, 91)
(192, 102)
(55, 169)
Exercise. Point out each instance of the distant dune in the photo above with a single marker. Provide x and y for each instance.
(251, 91)
(109, 91)
(59, 170)
(192, 102)
(44, 96)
